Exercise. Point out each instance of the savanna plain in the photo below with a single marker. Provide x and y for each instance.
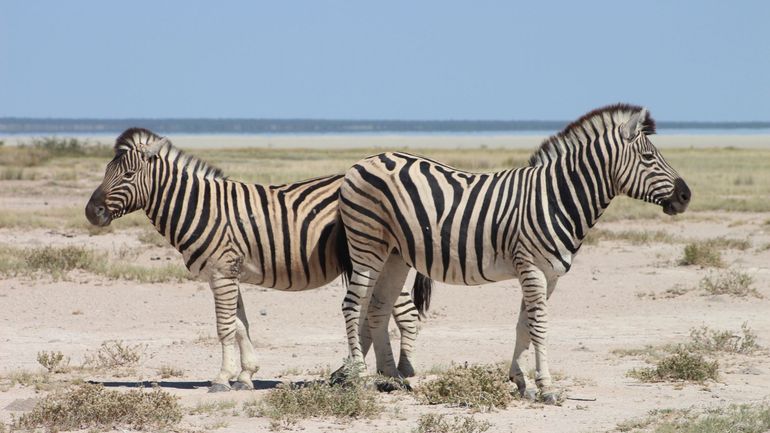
(662, 324)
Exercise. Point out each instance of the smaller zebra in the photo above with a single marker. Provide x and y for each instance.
(402, 211)
(285, 237)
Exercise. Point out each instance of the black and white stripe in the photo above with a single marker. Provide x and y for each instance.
(401, 211)
(285, 237)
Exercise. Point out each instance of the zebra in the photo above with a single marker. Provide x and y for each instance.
(285, 237)
(401, 211)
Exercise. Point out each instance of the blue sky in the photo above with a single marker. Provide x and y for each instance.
(685, 60)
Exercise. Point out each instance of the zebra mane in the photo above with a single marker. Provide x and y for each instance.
(140, 139)
(571, 135)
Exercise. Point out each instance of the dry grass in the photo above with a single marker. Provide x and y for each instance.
(95, 408)
(54, 362)
(702, 253)
(56, 262)
(213, 407)
(481, 387)
(740, 418)
(168, 371)
(443, 424)
(682, 365)
(732, 283)
(115, 354)
(290, 403)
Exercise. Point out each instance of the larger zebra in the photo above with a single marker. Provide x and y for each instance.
(402, 211)
(285, 237)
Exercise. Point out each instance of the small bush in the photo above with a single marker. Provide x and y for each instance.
(289, 403)
(701, 254)
(478, 387)
(212, 407)
(93, 407)
(167, 371)
(56, 260)
(704, 339)
(731, 283)
(458, 424)
(115, 353)
(54, 362)
(744, 418)
(682, 365)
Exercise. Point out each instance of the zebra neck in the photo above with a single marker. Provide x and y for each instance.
(582, 187)
(173, 199)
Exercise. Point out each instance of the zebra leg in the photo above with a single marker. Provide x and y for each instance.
(356, 300)
(535, 293)
(522, 344)
(225, 305)
(380, 309)
(405, 314)
(248, 354)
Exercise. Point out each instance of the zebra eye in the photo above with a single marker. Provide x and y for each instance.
(128, 175)
(648, 156)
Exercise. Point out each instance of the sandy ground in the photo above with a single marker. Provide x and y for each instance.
(596, 308)
(416, 141)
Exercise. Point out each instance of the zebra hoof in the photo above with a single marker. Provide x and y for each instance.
(389, 385)
(406, 369)
(550, 398)
(219, 387)
(528, 394)
(339, 377)
(242, 386)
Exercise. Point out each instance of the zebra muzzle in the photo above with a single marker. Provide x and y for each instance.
(679, 199)
(96, 210)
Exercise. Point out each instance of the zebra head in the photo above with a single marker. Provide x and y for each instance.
(643, 172)
(126, 184)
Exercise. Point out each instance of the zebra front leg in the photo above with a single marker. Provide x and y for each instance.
(522, 344)
(248, 354)
(535, 295)
(226, 294)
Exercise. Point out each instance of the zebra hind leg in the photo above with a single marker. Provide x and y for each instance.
(381, 304)
(406, 317)
(356, 301)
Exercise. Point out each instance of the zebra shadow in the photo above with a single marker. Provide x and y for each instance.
(258, 384)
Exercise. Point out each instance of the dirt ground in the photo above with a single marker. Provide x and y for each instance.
(603, 304)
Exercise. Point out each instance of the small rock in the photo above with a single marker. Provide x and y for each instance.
(263, 312)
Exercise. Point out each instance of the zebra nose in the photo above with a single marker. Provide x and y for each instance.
(682, 191)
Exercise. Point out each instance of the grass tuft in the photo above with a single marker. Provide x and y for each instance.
(682, 365)
(701, 253)
(54, 362)
(708, 340)
(733, 283)
(115, 354)
(93, 407)
(479, 387)
(442, 424)
(743, 418)
(289, 403)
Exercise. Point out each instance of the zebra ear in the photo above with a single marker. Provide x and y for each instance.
(634, 125)
(151, 149)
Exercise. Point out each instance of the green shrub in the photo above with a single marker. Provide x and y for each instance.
(702, 254)
(93, 407)
(733, 283)
(459, 424)
(682, 365)
(289, 403)
(478, 387)
(54, 362)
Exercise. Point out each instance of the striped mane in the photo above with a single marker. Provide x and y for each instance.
(596, 120)
(139, 139)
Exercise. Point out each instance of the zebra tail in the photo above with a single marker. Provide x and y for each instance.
(423, 286)
(343, 254)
